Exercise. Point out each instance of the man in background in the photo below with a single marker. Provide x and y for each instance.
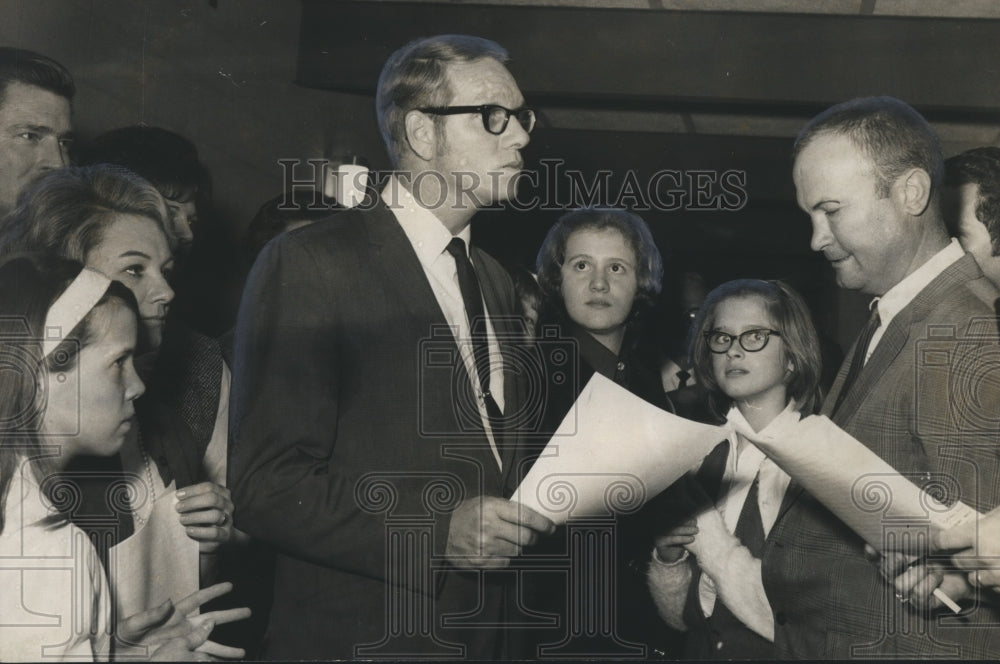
(972, 205)
(36, 95)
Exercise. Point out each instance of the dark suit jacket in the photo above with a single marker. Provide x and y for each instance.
(546, 588)
(350, 438)
(927, 401)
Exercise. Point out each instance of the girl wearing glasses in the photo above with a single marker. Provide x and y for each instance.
(757, 352)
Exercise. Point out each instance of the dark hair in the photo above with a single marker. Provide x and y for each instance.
(29, 285)
(525, 284)
(890, 132)
(526, 288)
(164, 158)
(552, 254)
(416, 76)
(276, 215)
(979, 166)
(66, 211)
(790, 316)
(18, 65)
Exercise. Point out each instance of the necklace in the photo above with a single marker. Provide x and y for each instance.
(150, 487)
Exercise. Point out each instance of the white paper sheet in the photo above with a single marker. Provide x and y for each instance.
(611, 453)
(158, 562)
(888, 510)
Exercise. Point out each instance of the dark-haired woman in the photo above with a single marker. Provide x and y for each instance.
(600, 271)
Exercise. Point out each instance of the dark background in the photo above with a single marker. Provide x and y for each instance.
(626, 87)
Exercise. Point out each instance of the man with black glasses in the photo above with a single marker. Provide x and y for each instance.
(373, 412)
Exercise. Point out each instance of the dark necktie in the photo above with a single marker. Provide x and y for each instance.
(750, 528)
(682, 379)
(858, 360)
(472, 296)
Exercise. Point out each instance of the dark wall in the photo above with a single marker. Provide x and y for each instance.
(255, 81)
(221, 75)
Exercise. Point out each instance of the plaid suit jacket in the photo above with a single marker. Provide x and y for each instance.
(928, 402)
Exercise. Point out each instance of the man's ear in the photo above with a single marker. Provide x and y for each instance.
(421, 134)
(913, 188)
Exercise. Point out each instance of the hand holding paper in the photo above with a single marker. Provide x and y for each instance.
(486, 532)
(858, 486)
(978, 545)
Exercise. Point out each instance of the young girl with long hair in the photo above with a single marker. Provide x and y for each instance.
(756, 351)
(67, 387)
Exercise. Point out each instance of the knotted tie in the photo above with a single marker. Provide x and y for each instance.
(472, 296)
(750, 527)
(858, 360)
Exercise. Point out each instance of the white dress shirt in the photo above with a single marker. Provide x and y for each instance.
(743, 464)
(430, 238)
(899, 296)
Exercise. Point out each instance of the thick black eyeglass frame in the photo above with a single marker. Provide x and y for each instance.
(708, 339)
(485, 110)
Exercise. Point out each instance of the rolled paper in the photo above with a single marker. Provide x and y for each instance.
(878, 503)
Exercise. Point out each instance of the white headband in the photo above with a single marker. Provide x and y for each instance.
(70, 308)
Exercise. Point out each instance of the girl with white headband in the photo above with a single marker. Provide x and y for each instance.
(67, 387)
(160, 540)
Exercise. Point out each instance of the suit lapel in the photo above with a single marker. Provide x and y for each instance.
(402, 274)
(895, 338)
(499, 314)
(887, 351)
(792, 493)
(400, 268)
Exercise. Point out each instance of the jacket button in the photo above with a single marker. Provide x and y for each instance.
(780, 618)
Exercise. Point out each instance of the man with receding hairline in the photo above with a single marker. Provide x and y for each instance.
(344, 430)
(917, 388)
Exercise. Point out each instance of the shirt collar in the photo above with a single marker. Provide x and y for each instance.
(751, 453)
(899, 296)
(594, 353)
(425, 231)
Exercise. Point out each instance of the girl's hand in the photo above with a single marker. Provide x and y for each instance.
(184, 648)
(206, 510)
(176, 627)
(670, 547)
